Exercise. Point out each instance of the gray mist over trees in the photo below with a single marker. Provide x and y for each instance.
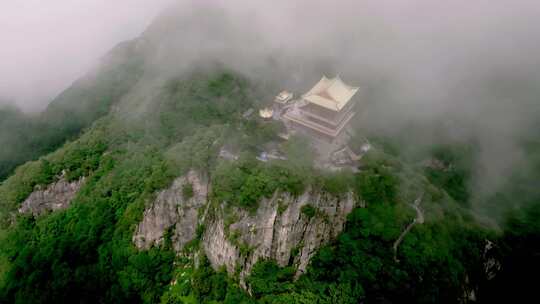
(46, 46)
(461, 70)
(458, 70)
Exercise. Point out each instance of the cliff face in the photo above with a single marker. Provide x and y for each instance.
(56, 196)
(172, 210)
(280, 229)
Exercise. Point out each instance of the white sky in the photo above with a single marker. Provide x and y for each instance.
(46, 45)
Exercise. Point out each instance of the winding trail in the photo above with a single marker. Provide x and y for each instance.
(419, 219)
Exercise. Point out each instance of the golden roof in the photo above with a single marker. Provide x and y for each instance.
(332, 94)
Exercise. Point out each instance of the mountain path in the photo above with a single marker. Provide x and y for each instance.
(419, 219)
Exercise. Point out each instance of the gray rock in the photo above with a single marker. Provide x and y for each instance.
(54, 197)
(278, 230)
(170, 209)
(269, 234)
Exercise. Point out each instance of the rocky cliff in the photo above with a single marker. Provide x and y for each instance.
(173, 209)
(285, 228)
(282, 229)
(55, 196)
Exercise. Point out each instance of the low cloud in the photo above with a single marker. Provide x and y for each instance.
(47, 45)
(470, 67)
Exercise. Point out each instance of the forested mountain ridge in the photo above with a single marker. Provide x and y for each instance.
(86, 251)
(26, 137)
(160, 216)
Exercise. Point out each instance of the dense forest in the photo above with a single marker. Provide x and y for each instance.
(85, 254)
(28, 136)
(418, 231)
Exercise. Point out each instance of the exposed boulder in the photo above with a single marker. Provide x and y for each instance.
(173, 209)
(55, 196)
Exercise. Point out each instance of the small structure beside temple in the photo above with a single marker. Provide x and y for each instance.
(323, 111)
(266, 113)
(281, 102)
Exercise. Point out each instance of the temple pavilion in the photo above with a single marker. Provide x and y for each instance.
(325, 110)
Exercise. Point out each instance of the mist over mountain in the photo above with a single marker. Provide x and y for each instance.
(465, 71)
(152, 166)
(45, 48)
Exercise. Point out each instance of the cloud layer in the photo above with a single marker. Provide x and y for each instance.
(470, 68)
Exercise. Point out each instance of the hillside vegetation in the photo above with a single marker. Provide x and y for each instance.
(132, 129)
(85, 253)
(26, 137)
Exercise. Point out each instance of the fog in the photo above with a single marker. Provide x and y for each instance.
(46, 45)
(468, 68)
(471, 68)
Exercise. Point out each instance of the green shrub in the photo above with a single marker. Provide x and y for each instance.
(246, 183)
(282, 207)
(267, 278)
(200, 231)
(455, 178)
(309, 211)
(377, 185)
(89, 245)
(337, 184)
(187, 191)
